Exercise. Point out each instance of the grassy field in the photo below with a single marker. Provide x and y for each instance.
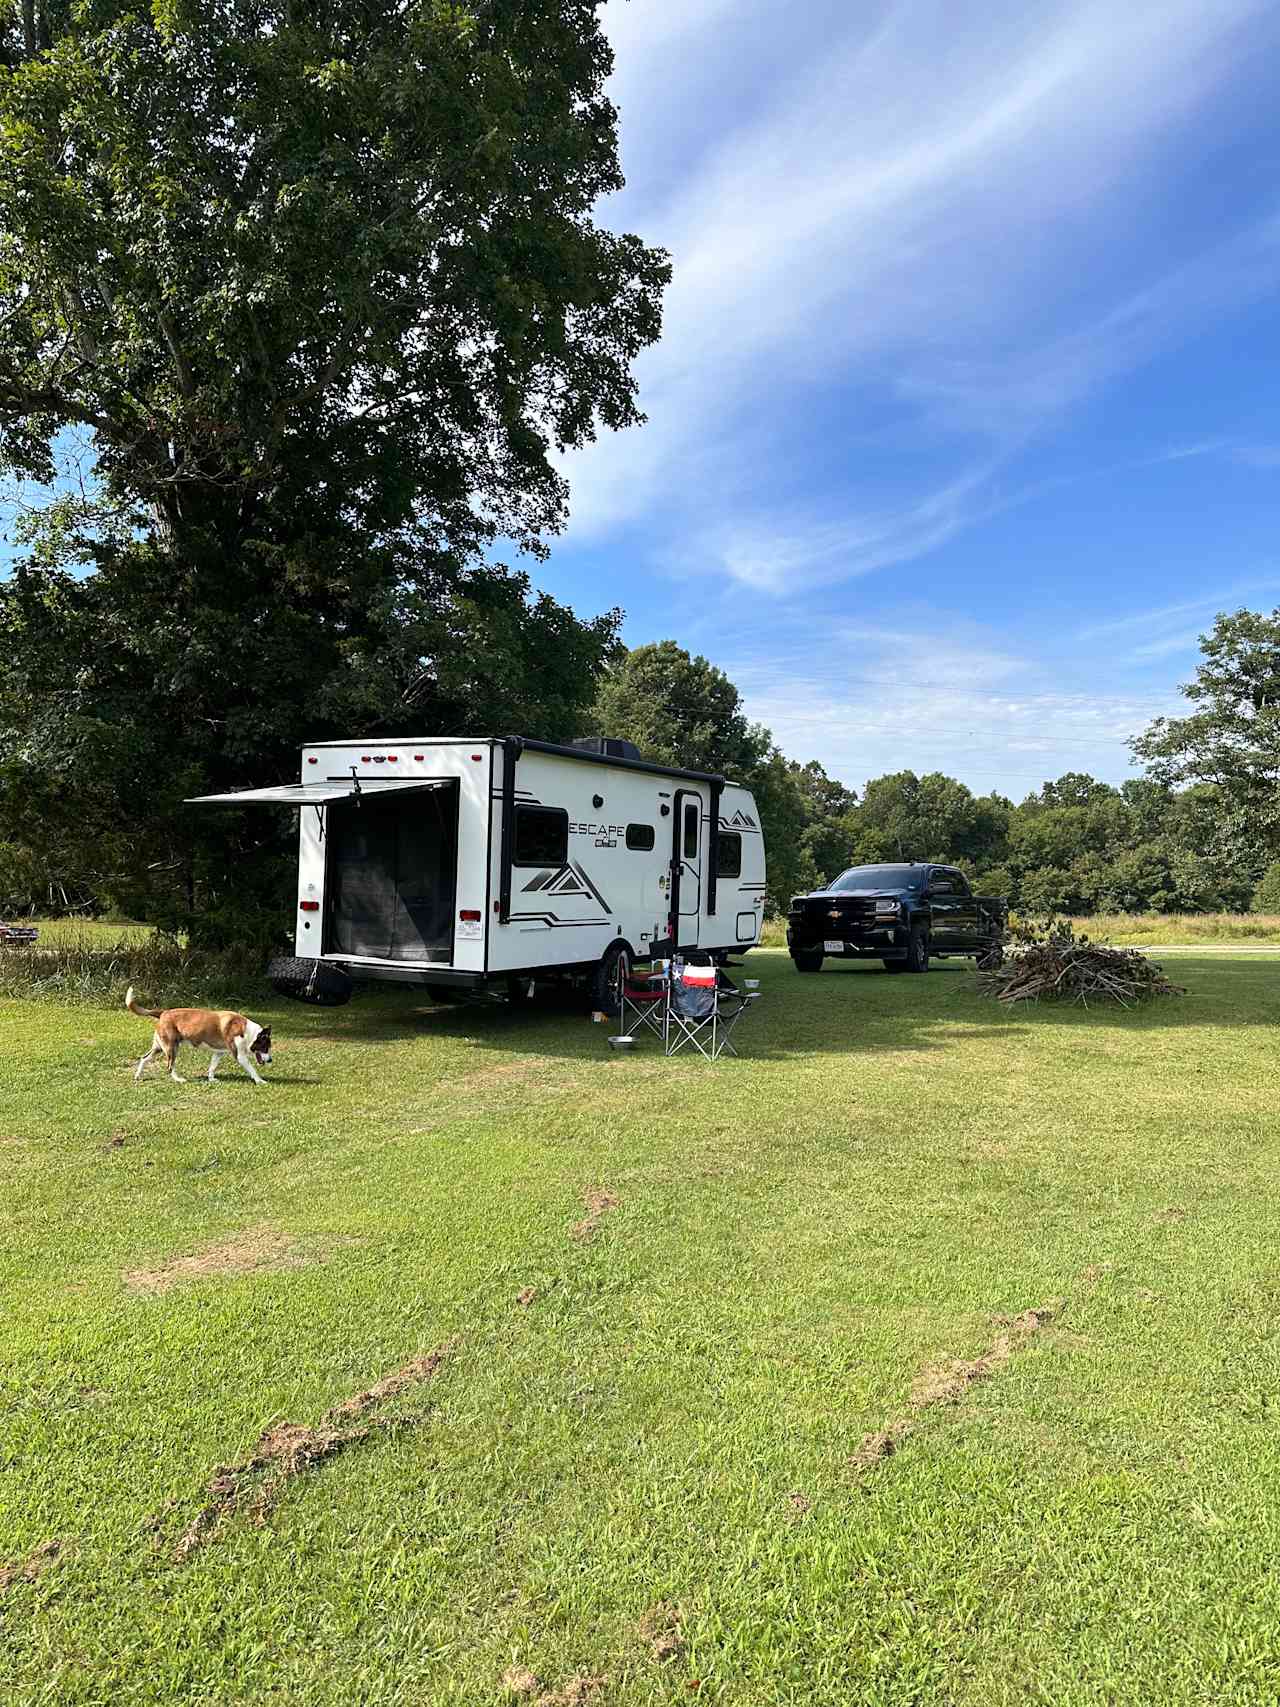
(928, 1354)
(1149, 930)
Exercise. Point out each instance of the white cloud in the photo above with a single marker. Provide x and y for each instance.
(876, 700)
(916, 201)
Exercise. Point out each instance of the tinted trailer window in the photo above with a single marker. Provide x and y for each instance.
(392, 875)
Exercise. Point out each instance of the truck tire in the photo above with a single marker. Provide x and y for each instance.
(604, 980)
(895, 965)
(316, 982)
(917, 952)
(807, 962)
(991, 959)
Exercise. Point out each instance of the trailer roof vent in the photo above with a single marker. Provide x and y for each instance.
(607, 746)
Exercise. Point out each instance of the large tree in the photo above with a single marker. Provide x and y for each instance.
(322, 289)
(1230, 740)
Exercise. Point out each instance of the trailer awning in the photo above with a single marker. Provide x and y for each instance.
(316, 793)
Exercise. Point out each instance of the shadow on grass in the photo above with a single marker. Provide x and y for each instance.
(841, 1011)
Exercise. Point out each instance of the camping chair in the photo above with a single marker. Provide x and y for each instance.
(642, 1001)
(704, 1006)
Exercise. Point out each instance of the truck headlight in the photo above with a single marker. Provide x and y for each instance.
(886, 908)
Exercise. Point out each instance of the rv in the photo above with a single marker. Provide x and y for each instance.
(486, 866)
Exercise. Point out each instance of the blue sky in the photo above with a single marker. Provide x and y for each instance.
(965, 421)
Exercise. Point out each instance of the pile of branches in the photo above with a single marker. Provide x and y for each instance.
(1049, 961)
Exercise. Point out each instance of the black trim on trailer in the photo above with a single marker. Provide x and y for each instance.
(488, 864)
(645, 765)
(511, 749)
(713, 848)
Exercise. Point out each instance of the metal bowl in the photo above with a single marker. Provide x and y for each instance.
(624, 1042)
(752, 983)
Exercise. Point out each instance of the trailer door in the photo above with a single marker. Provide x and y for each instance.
(687, 860)
(391, 877)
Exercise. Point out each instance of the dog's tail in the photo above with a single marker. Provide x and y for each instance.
(151, 1013)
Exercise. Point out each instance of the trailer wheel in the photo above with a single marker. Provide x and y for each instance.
(614, 967)
(317, 982)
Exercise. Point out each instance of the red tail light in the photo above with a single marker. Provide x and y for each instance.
(309, 906)
(469, 913)
(392, 758)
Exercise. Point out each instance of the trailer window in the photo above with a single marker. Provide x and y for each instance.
(541, 836)
(729, 862)
(640, 837)
(692, 812)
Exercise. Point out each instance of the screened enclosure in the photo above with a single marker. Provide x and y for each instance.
(392, 874)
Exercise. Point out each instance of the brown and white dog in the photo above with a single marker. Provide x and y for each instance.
(223, 1032)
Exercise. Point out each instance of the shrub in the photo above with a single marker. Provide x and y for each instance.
(1266, 897)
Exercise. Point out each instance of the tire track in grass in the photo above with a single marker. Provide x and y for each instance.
(285, 1450)
(947, 1383)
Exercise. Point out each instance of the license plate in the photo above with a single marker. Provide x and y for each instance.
(833, 948)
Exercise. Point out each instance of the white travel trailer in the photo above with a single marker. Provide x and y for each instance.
(472, 865)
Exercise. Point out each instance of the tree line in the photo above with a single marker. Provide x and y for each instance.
(321, 294)
(1199, 832)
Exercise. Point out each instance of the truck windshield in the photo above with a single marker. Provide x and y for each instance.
(881, 877)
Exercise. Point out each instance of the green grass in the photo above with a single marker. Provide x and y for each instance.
(893, 1165)
(98, 934)
(1152, 929)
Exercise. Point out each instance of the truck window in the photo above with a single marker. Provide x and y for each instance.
(692, 812)
(540, 836)
(640, 837)
(729, 862)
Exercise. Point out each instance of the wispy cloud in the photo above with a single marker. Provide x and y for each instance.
(934, 208)
(880, 699)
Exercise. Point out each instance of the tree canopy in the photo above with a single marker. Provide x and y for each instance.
(322, 288)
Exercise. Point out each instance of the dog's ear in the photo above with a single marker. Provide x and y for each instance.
(264, 1038)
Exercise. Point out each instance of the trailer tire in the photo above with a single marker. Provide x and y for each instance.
(807, 962)
(604, 980)
(316, 982)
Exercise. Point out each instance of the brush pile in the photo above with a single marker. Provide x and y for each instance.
(1048, 961)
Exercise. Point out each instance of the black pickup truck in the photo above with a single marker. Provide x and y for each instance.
(901, 914)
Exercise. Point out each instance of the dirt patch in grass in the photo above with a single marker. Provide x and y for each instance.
(1174, 1213)
(34, 1566)
(519, 1680)
(526, 1296)
(660, 1631)
(578, 1692)
(946, 1383)
(287, 1449)
(243, 1253)
(597, 1204)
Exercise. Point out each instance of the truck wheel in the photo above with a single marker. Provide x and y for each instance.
(918, 952)
(991, 959)
(615, 963)
(807, 962)
(895, 965)
(318, 982)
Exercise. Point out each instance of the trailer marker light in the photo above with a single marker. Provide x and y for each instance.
(365, 759)
(472, 914)
(477, 758)
(313, 761)
(419, 757)
(309, 906)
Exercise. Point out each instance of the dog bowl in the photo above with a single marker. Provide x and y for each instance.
(752, 983)
(624, 1042)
